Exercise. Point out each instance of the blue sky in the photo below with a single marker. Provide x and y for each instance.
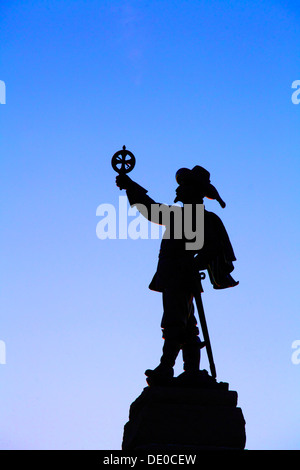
(179, 83)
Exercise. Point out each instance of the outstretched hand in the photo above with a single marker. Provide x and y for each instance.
(123, 181)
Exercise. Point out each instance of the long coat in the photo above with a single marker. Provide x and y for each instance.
(179, 267)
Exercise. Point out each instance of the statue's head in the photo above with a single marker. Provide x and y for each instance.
(194, 185)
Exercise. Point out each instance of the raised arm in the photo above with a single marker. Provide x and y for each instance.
(137, 196)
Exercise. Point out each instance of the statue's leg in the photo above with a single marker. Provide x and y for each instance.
(176, 312)
(191, 355)
(163, 373)
(192, 345)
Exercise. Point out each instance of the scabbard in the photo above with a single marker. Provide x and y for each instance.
(199, 304)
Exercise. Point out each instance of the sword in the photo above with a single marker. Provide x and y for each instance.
(199, 304)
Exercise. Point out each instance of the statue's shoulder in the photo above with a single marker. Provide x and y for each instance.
(212, 218)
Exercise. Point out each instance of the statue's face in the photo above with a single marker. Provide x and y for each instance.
(180, 193)
(183, 193)
(187, 194)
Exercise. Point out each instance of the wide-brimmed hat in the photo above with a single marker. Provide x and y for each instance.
(199, 177)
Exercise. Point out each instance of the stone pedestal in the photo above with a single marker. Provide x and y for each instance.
(185, 418)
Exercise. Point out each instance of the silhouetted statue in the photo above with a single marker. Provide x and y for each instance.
(177, 276)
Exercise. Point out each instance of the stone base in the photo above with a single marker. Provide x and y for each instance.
(185, 419)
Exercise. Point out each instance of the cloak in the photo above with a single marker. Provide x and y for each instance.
(178, 267)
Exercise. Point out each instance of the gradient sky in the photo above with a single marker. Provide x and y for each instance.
(180, 83)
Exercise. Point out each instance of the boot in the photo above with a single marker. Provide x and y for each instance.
(191, 363)
(191, 354)
(164, 372)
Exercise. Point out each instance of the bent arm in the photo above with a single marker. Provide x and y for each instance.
(137, 196)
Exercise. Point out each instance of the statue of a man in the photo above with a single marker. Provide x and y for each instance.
(177, 274)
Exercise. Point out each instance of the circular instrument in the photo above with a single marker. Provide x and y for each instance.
(123, 161)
